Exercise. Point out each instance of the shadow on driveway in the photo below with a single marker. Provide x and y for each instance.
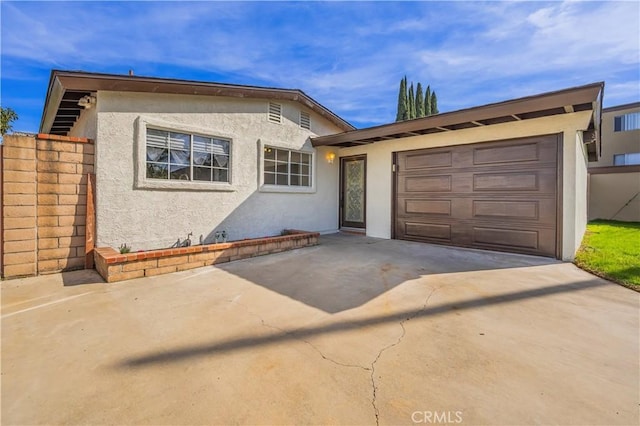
(230, 345)
(346, 271)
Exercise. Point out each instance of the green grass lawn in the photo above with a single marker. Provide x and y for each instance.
(611, 250)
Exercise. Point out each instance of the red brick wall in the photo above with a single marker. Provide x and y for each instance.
(44, 196)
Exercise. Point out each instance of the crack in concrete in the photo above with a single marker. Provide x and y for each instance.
(372, 369)
(292, 333)
(396, 343)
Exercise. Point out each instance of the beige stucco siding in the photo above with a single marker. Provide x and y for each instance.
(615, 196)
(616, 142)
(86, 125)
(579, 192)
(154, 218)
(379, 173)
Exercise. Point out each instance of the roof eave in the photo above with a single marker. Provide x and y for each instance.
(563, 101)
(61, 81)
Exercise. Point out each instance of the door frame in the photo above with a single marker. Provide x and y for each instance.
(341, 220)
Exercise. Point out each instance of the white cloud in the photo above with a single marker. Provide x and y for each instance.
(349, 56)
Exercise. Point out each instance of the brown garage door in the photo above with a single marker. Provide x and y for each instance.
(494, 195)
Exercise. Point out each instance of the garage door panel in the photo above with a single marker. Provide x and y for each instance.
(540, 210)
(506, 154)
(525, 239)
(496, 195)
(428, 184)
(505, 209)
(428, 160)
(432, 231)
(427, 207)
(529, 241)
(506, 182)
(540, 180)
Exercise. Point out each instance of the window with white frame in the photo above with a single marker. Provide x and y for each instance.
(284, 167)
(626, 122)
(626, 159)
(186, 157)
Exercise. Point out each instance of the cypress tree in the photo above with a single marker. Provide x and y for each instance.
(419, 101)
(412, 103)
(402, 100)
(427, 102)
(434, 103)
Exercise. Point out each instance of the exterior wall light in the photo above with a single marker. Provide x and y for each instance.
(330, 157)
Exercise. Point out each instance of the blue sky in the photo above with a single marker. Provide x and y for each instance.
(350, 56)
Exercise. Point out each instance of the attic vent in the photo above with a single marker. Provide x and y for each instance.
(305, 120)
(275, 113)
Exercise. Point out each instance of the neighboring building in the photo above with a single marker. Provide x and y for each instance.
(614, 180)
(174, 157)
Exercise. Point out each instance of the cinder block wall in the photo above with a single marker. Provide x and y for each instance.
(44, 196)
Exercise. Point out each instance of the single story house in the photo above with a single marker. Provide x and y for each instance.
(175, 158)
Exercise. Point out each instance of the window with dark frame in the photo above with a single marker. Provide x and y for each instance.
(284, 167)
(186, 157)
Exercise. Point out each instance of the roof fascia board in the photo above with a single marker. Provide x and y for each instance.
(575, 96)
(108, 82)
(52, 102)
(632, 105)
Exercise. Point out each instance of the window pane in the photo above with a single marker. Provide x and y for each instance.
(281, 180)
(618, 160)
(179, 157)
(269, 153)
(632, 121)
(202, 173)
(179, 141)
(179, 172)
(617, 124)
(304, 169)
(157, 138)
(633, 159)
(269, 166)
(220, 160)
(295, 168)
(305, 181)
(220, 175)
(626, 122)
(201, 158)
(282, 155)
(295, 180)
(282, 168)
(157, 171)
(158, 155)
(295, 157)
(269, 179)
(306, 158)
(220, 146)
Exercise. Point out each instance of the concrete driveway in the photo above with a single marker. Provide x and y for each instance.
(353, 331)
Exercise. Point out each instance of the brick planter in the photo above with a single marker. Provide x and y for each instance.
(113, 266)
